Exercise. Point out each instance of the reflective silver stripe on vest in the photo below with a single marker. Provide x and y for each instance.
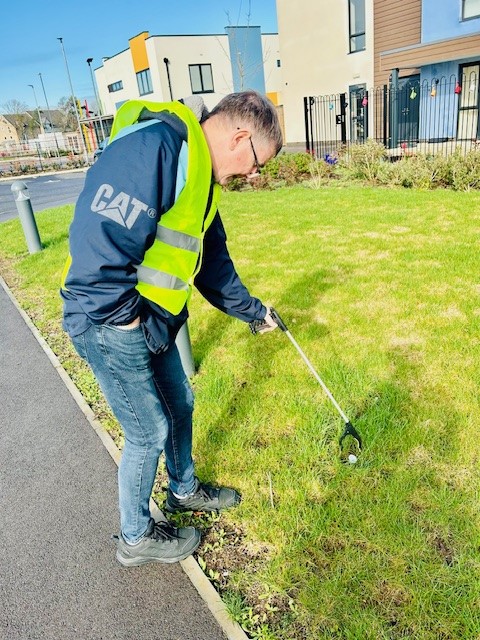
(178, 239)
(147, 275)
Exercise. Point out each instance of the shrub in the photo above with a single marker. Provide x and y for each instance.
(27, 168)
(75, 163)
(370, 163)
(321, 171)
(284, 170)
(237, 183)
(464, 170)
(289, 168)
(416, 172)
(363, 161)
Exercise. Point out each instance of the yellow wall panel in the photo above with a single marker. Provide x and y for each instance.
(139, 52)
(273, 97)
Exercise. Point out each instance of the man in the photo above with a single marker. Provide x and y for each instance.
(146, 225)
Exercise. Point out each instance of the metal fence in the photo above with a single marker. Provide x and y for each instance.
(434, 116)
(34, 156)
(53, 150)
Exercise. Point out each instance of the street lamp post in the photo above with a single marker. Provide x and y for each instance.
(74, 103)
(99, 106)
(49, 114)
(42, 130)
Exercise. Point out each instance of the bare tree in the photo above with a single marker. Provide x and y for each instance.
(240, 61)
(18, 115)
(238, 48)
(67, 107)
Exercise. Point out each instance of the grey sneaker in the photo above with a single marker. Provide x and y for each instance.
(161, 543)
(204, 498)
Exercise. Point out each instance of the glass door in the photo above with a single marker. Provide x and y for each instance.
(468, 103)
(358, 113)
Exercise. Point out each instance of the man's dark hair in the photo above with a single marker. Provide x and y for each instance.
(255, 110)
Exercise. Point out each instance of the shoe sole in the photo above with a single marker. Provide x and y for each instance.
(180, 509)
(137, 562)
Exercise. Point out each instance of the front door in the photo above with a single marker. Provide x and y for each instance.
(468, 103)
(408, 109)
(358, 113)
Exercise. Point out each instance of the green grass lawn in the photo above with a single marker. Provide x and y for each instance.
(381, 289)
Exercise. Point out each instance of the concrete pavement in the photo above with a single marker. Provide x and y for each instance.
(59, 579)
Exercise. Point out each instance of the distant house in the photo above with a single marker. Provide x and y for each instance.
(326, 48)
(438, 59)
(8, 132)
(406, 72)
(28, 126)
(162, 68)
(52, 134)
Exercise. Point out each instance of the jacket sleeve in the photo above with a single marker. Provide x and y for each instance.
(219, 282)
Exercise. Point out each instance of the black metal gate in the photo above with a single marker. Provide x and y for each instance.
(433, 116)
(325, 123)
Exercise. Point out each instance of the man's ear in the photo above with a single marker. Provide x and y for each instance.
(238, 136)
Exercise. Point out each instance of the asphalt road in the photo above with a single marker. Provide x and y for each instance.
(45, 192)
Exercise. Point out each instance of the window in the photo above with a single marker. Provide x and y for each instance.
(201, 78)
(470, 9)
(356, 19)
(144, 82)
(115, 86)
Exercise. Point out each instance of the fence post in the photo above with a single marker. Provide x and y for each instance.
(25, 213)
(385, 114)
(307, 133)
(184, 347)
(394, 109)
(343, 115)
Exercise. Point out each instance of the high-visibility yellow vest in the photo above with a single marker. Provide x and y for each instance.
(166, 274)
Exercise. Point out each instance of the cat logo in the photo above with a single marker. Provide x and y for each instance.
(122, 208)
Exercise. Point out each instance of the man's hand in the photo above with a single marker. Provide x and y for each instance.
(265, 325)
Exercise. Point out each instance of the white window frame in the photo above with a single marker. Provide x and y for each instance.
(476, 4)
(144, 82)
(354, 36)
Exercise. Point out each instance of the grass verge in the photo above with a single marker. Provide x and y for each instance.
(380, 287)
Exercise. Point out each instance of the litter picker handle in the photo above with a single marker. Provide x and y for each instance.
(278, 319)
(256, 325)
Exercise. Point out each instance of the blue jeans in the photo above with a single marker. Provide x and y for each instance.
(152, 399)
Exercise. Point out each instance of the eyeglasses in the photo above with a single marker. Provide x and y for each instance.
(258, 168)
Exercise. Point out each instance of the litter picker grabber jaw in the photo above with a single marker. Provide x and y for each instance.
(349, 429)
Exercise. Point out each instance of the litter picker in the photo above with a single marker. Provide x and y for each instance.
(349, 429)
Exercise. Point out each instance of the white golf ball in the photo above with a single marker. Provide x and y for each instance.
(352, 459)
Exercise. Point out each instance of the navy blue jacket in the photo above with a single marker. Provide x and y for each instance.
(126, 191)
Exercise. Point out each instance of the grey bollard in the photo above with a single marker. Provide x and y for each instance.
(184, 347)
(25, 213)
